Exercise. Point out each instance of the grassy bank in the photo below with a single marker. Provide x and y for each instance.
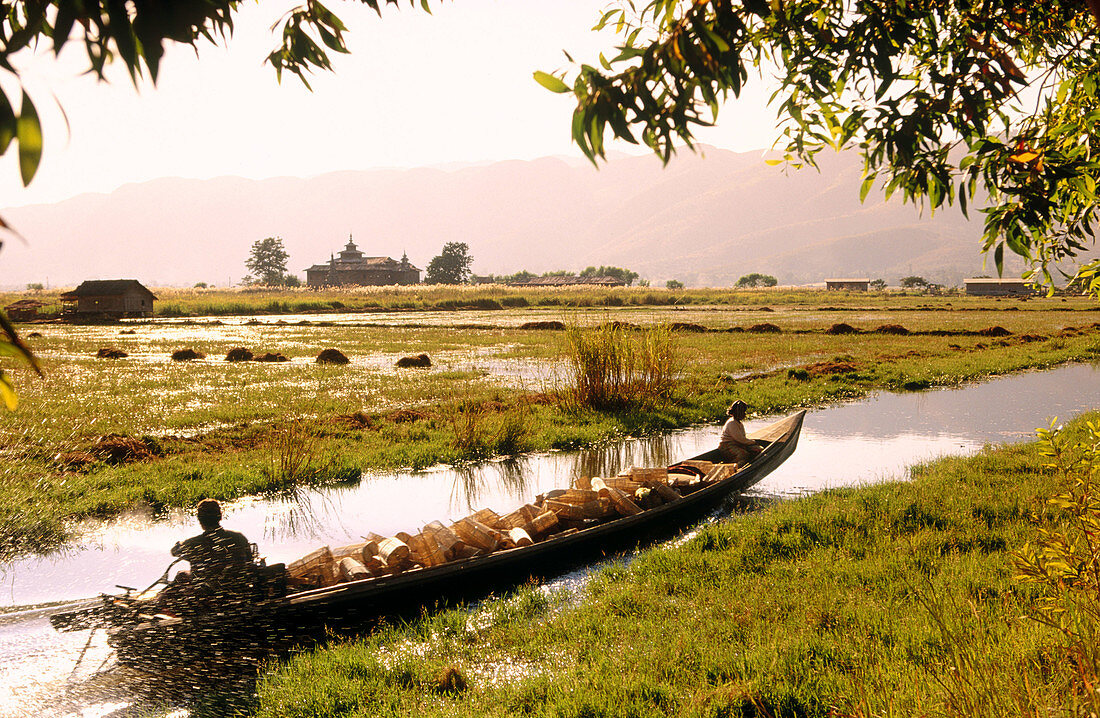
(98, 436)
(890, 600)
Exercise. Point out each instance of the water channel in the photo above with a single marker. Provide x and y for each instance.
(874, 439)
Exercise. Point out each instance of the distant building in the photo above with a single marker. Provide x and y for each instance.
(993, 287)
(24, 310)
(559, 281)
(352, 268)
(109, 297)
(851, 285)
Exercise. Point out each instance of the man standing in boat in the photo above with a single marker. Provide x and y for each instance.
(734, 444)
(221, 563)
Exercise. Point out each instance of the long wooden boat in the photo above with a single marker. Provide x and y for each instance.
(259, 627)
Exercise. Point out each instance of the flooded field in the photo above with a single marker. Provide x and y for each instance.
(849, 444)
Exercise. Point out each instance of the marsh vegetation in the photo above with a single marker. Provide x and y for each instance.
(97, 436)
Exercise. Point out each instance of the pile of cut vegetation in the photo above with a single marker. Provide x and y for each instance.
(830, 367)
(765, 328)
(270, 357)
(994, 332)
(842, 328)
(187, 354)
(117, 449)
(415, 361)
(687, 327)
(111, 353)
(542, 325)
(332, 356)
(239, 354)
(891, 329)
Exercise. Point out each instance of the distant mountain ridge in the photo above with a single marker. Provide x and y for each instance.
(705, 220)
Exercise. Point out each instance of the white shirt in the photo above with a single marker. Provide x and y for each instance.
(733, 432)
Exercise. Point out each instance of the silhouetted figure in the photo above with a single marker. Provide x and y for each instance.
(221, 566)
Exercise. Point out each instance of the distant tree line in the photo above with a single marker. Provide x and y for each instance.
(625, 276)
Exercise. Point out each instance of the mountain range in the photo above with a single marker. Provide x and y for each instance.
(705, 219)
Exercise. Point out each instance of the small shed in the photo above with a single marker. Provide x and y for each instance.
(851, 285)
(109, 297)
(24, 310)
(997, 287)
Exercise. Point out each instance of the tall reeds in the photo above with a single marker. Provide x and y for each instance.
(1064, 563)
(613, 366)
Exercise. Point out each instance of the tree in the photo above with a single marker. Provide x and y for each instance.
(623, 275)
(878, 284)
(674, 284)
(914, 283)
(451, 266)
(992, 102)
(755, 279)
(268, 261)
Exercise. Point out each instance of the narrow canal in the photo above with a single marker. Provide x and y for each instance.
(874, 439)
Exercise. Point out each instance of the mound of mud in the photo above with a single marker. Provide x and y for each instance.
(270, 357)
(891, 329)
(542, 325)
(332, 356)
(994, 332)
(128, 331)
(239, 354)
(74, 460)
(357, 419)
(404, 416)
(34, 335)
(842, 328)
(414, 361)
(111, 353)
(687, 327)
(765, 328)
(830, 367)
(116, 449)
(1028, 338)
(187, 354)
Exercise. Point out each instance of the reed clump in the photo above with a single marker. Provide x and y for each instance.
(613, 366)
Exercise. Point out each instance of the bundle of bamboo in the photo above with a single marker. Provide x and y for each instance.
(590, 501)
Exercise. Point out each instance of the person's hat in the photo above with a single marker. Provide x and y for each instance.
(737, 405)
(209, 509)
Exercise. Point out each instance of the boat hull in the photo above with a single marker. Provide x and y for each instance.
(263, 627)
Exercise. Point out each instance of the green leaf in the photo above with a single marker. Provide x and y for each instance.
(8, 122)
(865, 188)
(550, 82)
(29, 132)
(7, 392)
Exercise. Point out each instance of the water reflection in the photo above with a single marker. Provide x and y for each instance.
(869, 440)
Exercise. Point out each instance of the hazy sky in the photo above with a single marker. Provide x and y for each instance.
(417, 89)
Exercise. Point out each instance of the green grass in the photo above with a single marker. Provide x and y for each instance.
(215, 425)
(890, 600)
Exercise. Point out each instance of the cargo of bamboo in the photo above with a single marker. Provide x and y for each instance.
(518, 537)
(520, 518)
(542, 524)
(315, 568)
(477, 534)
(622, 503)
(487, 517)
(645, 476)
(666, 492)
(351, 569)
(393, 551)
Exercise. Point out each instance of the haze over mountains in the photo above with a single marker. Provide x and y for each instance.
(703, 220)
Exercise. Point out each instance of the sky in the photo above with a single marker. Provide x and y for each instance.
(416, 90)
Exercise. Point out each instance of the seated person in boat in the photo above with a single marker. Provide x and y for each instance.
(734, 445)
(221, 564)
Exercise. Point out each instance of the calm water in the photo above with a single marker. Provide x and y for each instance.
(870, 440)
